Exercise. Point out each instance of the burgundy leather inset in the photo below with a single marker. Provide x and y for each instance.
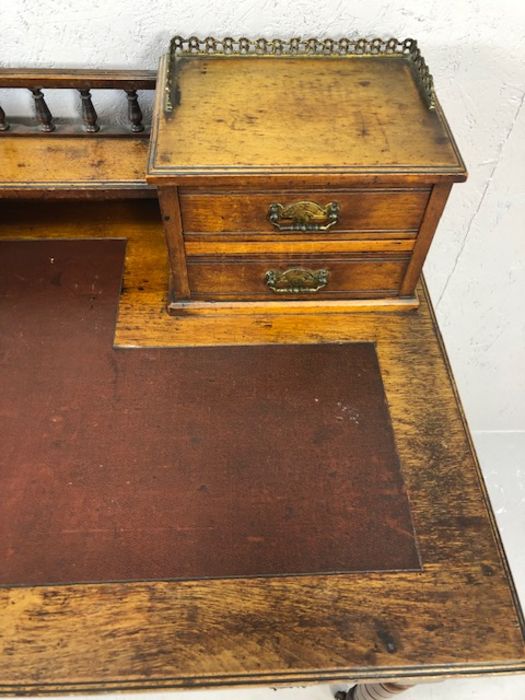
(130, 464)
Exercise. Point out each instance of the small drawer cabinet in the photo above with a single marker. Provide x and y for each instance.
(301, 173)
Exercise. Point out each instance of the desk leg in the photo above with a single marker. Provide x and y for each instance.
(372, 691)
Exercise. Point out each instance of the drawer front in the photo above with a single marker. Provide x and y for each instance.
(296, 277)
(317, 212)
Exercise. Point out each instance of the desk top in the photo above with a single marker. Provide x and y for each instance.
(457, 615)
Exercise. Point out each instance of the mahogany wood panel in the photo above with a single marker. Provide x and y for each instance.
(293, 306)
(205, 246)
(72, 164)
(436, 205)
(303, 115)
(169, 203)
(366, 275)
(181, 462)
(300, 236)
(77, 77)
(360, 210)
(458, 616)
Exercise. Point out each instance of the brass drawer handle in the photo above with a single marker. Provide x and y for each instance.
(303, 216)
(296, 280)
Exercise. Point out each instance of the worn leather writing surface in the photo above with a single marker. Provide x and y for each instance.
(129, 464)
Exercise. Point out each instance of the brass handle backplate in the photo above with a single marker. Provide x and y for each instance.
(303, 216)
(296, 280)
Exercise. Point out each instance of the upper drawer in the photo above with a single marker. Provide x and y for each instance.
(354, 210)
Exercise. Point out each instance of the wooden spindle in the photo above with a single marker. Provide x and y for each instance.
(134, 111)
(372, 691)
(43, 114)
(4, 126)
(89, 115)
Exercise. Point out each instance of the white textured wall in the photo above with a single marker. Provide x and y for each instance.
(476, 51)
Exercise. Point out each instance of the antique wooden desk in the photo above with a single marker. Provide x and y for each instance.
(215, 500)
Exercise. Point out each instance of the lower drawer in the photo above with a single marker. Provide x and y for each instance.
(296, 277)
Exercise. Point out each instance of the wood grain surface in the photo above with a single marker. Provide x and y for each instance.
(72, 164)
(298, 115)
(247, 211)
(367, 275)
(77, 77)
(205, 246)
(459, 616)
